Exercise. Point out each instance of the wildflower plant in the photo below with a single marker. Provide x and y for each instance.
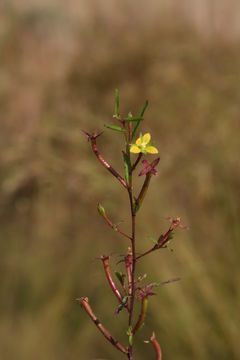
(130, 288)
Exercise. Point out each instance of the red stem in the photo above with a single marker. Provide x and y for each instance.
(130, 320)
(85, 305)
(115, 227)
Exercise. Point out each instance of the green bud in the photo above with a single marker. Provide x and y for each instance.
(130, 340)
(129, 330)
(101, 210)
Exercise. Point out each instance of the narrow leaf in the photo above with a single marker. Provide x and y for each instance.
(141, 117)
(116, 102)
(133, 118)
(144, 108)
(115, 128)
(121, 306)
(155, 241)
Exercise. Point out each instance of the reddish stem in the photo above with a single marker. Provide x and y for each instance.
(132, 298)
(115, 227)
(85, 305)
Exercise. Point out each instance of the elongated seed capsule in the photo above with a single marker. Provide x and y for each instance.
(105, 260)
(106, 164)
(142, 315)
(156, 347)
(143, 192)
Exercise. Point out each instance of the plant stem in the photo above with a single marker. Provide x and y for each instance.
(130, 349)
(85, 305)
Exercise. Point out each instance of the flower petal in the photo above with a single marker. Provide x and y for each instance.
(138, 141)
(146, 138)
(151, 150)
(135, 149)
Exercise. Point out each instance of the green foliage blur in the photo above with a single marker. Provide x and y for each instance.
(59, 67)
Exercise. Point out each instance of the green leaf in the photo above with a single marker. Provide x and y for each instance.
(140, 118)
(116, 102)
(115, 128)
(155, 241)
(121, 306)
(170, 236)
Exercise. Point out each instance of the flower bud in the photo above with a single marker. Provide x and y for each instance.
(101, 210)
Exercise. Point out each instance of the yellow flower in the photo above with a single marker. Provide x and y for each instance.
(143, 145)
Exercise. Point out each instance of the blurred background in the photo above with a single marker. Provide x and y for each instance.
(60, 63)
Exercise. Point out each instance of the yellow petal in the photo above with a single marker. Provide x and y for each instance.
(146, 138)
(135, 149)
(151, 150)
(138, 141)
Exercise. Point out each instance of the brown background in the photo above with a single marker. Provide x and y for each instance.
(59, 65)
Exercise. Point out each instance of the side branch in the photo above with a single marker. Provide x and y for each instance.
(85, 305)
(163, 239)
(114, 226)
(161, 243)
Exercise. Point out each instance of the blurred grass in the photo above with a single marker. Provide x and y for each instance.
(57, 78)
